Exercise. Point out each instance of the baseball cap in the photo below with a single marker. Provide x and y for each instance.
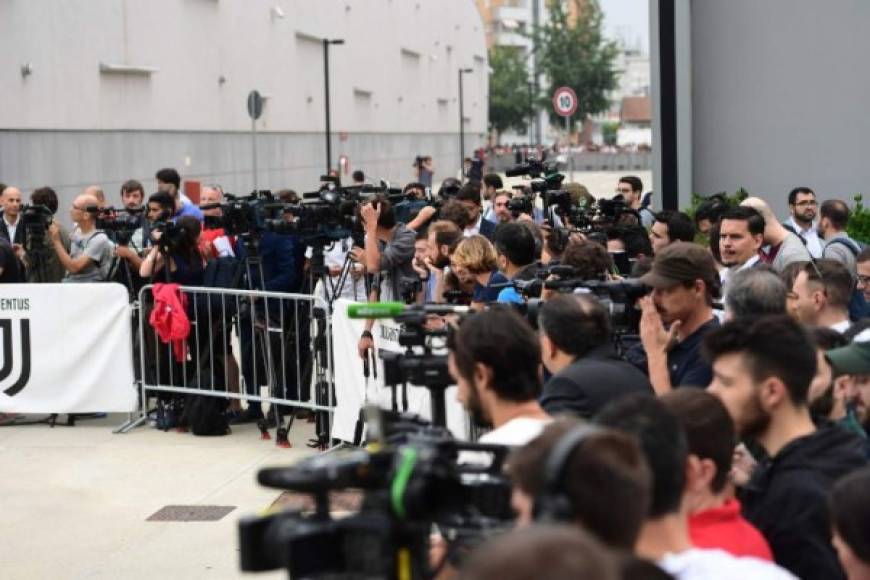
(682, 262)
(853, 359)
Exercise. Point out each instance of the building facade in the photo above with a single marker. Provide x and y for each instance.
(107, 90)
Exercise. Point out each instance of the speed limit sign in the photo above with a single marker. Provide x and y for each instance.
(565, 101)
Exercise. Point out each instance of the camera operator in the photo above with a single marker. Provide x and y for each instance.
(577, 348)
(91, 251)
(132, 195)
(414, 191)
(38, 262)
(605, 468)
(675, 318)
(186, 266)
(629, 189)
(213, 242)
(169, 181)
(389, 252)
(494, 357)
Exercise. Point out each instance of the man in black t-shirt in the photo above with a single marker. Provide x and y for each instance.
(10, 271)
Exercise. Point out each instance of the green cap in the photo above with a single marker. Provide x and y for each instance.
(853, 359)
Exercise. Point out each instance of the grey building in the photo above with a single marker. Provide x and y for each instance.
(763, 95)
(102, 91)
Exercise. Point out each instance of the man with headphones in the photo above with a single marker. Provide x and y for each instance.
(576, 473)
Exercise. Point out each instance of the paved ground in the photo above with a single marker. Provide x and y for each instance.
(74, 501)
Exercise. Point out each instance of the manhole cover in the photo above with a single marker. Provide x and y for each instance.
(191, 513)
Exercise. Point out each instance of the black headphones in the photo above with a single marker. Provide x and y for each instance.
(552, 504)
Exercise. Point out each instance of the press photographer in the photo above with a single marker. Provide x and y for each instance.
(91, 251)
(388, 252)
(40, 259)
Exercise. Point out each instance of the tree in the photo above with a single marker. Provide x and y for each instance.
(508, 92)
(575, 54)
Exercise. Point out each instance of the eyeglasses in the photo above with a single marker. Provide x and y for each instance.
(807, 203)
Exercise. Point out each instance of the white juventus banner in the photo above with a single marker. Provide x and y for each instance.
(66, 348)
(353, 390)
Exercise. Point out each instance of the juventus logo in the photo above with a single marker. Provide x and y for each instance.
(8, 360)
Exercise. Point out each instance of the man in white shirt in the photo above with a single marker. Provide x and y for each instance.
(802, 207)
(664, 537)
(494, 358)
(741, 235)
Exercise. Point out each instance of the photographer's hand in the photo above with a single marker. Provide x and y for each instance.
(656, 343)
(54, 231)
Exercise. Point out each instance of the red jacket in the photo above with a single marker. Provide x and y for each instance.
(725, 528)
(169, 318)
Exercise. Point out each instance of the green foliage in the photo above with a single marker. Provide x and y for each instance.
(732, 200)
(609, 132)
(576, 55)
(859, 221)
(508, 89)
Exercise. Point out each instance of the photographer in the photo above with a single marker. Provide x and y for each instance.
(168, 181)
(213, 242)
(132, 195)
(675, 318)
(501, 214)
(494, 358)
(42, 262)
(91, 251)
(577, 347)
(389, 252)
(181, 251)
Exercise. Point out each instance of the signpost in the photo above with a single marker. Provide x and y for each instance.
(255, 109)
(565, 105)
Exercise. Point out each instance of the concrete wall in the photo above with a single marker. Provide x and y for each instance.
(393, 89)
(780, 97)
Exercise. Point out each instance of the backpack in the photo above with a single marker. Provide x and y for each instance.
(206, 415)
(854, 246)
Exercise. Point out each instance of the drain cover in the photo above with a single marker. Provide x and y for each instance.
(190, 513)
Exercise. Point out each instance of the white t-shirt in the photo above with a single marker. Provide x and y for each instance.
(698, 564)
(515, 433)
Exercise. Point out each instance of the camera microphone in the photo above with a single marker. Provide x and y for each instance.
(375, 310)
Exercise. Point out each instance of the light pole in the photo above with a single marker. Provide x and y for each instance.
(462, 71)
(531, 113)
(326, 43)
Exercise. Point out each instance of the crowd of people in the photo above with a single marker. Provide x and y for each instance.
(725, 437)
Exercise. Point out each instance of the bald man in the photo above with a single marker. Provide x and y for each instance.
(784, 247)
(91, 251)
(10, 200)
(97, 192)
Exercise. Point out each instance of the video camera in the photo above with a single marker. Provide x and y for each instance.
(410, 483)
(35, 219)
(533, 167)
(243, 216)
(119, 224)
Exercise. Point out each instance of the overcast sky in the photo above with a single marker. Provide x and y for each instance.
(627, 19)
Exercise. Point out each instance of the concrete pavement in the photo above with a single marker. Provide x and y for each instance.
(74, 501)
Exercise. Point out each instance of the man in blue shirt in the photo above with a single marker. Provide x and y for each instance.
(676, 316)
(169, 181)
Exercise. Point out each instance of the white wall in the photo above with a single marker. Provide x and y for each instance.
(393, 88)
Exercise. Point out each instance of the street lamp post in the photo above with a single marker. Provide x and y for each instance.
(531, 112)
(462, 71)
(326, 43)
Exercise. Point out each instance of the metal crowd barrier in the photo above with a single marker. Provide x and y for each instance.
(260, 347)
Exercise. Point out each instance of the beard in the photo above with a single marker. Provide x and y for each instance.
(441, 261)
(821, 407)
(756, 422)
(475, 409)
